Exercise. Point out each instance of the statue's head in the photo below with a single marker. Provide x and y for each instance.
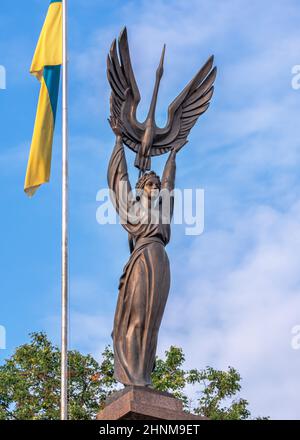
(148, 185)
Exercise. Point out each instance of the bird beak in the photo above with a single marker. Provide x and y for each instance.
(160, 69)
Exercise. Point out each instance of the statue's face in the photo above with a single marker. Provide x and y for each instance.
(152, 187)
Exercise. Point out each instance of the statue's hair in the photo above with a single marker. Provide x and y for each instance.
(143, 179)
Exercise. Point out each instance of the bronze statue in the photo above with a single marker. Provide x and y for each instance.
(145, 282)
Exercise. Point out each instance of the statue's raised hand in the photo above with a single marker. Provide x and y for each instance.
(177, 147)
(116, 125)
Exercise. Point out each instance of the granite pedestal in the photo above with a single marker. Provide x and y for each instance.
(144, 403)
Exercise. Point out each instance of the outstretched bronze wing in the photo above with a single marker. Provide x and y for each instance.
(125, 94)
(184, 111)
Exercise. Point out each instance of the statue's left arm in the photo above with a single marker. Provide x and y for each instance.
(168, 180)
(169, 174)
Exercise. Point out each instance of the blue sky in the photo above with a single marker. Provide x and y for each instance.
(235, 293)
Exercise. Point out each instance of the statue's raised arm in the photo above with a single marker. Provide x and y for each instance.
(117, 174)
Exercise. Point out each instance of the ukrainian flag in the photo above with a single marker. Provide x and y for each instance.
(45, 67)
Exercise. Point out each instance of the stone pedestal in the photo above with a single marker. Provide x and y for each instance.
(143, 403)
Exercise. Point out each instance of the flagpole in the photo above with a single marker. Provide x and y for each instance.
(64, 247)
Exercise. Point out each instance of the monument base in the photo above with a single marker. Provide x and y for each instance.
(144, 403)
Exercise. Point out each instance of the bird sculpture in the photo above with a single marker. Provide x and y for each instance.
(146, 139)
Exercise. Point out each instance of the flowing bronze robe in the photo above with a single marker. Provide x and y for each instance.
(145, 282)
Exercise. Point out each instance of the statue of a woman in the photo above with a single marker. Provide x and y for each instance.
(145, 282)
(144, 285)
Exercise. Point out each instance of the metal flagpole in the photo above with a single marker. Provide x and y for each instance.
(64, 247)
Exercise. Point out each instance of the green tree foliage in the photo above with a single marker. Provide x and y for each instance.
(30, 384)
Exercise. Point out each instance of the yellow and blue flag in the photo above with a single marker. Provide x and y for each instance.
(45, 67)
